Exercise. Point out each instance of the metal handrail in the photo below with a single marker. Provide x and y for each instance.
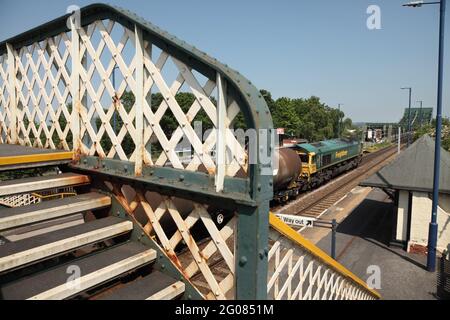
(315, 251)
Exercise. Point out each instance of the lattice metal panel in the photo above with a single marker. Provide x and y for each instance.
(19, 200)
(176, 225)
(296, 274)
(108, 126)
(44, 102)
(36, 197)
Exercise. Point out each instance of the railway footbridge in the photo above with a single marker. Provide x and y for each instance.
(123, 217)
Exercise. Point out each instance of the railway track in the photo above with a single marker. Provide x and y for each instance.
(315, 203)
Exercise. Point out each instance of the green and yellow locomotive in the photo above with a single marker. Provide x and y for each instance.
(319, 163)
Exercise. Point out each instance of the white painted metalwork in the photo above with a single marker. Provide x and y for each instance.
(19, 200)
(221, 133)
(59, 93)
(198, 257)
(298, 273)
(12, 93)
(139, 158)
(74, 85)
(26, 199)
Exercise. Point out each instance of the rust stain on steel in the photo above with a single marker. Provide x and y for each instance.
(169, 252)
(173, 257)
(204, 258)
(76, 153)
(212, 170)
(123, 202)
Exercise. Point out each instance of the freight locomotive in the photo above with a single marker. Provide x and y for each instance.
(301, 167)
(308, 165)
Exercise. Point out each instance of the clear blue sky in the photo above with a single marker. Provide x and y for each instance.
(296, 48)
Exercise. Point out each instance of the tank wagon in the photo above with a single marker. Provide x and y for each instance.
(319, 163)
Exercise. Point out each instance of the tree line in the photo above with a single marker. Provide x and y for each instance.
(308, 118)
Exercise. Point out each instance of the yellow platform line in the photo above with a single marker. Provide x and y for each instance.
(294, 236)
(35, 158)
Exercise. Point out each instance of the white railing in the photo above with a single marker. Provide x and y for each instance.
(298, 270)
(58, 93)
(26, 199)
(19, 200)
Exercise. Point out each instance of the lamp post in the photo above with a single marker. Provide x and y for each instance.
(409, 116)
(433, 227)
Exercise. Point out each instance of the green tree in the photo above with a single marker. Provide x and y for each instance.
(306, 118)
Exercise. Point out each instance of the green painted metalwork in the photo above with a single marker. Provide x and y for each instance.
(190, 185)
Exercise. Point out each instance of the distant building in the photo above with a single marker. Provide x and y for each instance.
(409, 181)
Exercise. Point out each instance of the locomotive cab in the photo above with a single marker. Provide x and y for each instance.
(309, 166)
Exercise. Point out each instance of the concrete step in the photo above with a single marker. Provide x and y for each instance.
(34, 249)
(33, 184)
(155, 286)
(72, 278)
(46, 210)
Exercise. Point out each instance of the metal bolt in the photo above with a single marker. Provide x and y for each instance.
(243, 261)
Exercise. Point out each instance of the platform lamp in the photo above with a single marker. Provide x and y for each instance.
(433, 227)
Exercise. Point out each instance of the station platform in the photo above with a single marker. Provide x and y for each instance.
(19, 157)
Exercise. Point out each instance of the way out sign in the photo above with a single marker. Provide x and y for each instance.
(297, 221)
